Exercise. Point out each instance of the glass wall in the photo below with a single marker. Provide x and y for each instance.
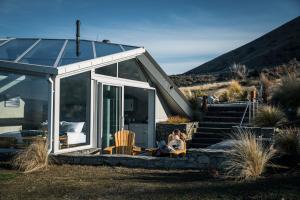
(112, 112)
(131, 69)
(23, 109)
(109, 70)
(74, 111)
(128, 69)
(138, 113)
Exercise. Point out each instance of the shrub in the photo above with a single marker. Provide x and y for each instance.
(248, 157)
(34, 157)
(265, 84)
(244, 95)
(238, 71)
(287, 141)
(269, 116)
(233, 92)
(224, 96)
(234, 89)
(198, 93)
(288, 93)
(177, 120)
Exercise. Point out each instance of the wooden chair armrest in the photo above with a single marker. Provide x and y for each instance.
(176, 153)
(136, 150)
(108, 150)
(151, 151)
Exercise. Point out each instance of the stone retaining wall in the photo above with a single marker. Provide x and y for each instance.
(199, 159)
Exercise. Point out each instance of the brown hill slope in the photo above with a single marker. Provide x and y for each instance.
(272, 49)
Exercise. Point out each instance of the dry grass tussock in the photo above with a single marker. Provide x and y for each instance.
(288, 93)
(177, 120)
(287, 141)
(270, 116)
(35, 157)
(233, 92)
(188, 91)
(238, 71)
(248, 157)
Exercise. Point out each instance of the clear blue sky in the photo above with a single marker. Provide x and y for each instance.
(179, 34)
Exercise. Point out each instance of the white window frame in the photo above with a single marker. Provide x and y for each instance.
(102, 79)
(56, 149)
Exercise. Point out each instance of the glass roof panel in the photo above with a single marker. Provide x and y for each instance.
(2, 41)
(69, 55)
(104, 49)
(44, 53)
(14, 48)
(127, 48)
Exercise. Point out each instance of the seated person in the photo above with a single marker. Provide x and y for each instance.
(181, 135)
(175, 143)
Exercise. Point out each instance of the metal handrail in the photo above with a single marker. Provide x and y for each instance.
(244, 114)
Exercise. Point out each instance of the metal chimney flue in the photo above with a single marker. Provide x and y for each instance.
(77, 38)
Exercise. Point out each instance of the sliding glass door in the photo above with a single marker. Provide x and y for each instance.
(139, 114)
(122, 106)
(111, 113)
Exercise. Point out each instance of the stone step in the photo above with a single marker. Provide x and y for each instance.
(211, 135)
(224, 119)
(218, 124)
(207, 140)
(238, 107)
(213, 130)
(198, 145)
(225, 114)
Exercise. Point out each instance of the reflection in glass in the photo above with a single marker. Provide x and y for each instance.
(131, 69)
(2, 41)
(44, 53)
(112, 105)
(74, 111)
(127, 48)
(136, 104)
(23, 109)
(104, 49)
(14, 48)
(69, 55)
(109, 70)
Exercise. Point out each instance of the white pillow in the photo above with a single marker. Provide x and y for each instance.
(72, 127)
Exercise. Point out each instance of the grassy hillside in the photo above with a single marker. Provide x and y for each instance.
(275, 48)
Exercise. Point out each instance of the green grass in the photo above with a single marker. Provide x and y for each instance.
(7, 176)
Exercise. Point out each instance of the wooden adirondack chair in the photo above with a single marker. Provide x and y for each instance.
(124, 144)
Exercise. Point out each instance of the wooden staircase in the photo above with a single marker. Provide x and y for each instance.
(217, 124)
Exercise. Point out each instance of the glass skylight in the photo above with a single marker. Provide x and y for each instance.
(69, 55)
(2, 41)
(47, 51)
(14, 48)
(104, 49)
(44, 53)
(127, 48)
